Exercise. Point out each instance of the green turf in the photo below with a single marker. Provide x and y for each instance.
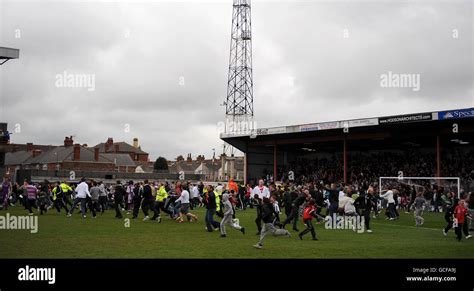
(107, 237)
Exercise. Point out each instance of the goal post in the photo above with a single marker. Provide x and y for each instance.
(449, 183)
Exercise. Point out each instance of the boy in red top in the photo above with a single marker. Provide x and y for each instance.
(308, 214)
(460, 214)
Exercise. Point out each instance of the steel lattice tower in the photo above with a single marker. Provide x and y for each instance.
(239, 102)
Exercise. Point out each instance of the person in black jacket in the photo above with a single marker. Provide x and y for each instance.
(210, 201)
(365, 203)
(137, 199)
(268, 216)
(148, 202)
(295, 207)
(118, 199)
(287, 200)
(449, 214)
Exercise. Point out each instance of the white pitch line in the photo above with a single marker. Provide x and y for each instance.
(409, 226)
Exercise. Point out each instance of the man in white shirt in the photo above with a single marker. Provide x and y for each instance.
(82, 191)
(195, 201)
(184, 209)
(391, 204)
(260, 191)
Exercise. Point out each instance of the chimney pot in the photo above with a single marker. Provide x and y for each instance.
(29, 147)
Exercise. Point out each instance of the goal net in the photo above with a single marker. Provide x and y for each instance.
(442, 185)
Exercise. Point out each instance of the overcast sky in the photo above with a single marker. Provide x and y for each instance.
(161, 67)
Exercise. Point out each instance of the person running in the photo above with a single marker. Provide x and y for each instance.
(67, 192)
(460, 220)
(449, 215)
(210, 201)
(184, 200)
(119, 195)
(228, 214)
(268, 216)
(333, 197)
(148, 202)
(32, 193)
(58, 200)
(295, 208)
(389, 196)
(274, 200)
(259, 192)
(94, 202)
(129, 199)
(137, 199)
(82, 191)
(43, 197)
(6, 189)
(308, 214)
(102, 198)
(418, 205)
(160, 203)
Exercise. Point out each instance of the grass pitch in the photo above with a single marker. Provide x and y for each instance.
(107, 237)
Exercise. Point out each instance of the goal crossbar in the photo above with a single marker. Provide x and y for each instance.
(421, 178)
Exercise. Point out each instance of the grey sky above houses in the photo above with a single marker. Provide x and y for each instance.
(160, 67)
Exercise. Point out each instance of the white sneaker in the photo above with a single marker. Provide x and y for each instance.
(258, 246)
(84, 216)
(369, 230)
(69, 215)
(445, 233)
(146, 218)
(468, 237)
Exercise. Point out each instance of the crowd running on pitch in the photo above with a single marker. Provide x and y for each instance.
(178, 200)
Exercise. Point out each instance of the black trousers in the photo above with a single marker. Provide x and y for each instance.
(367, 218)
(59, 203)
(309, 228)
(462, 227)
(30, 203)
(147, 205)
(160, 206)
(258, 220)
(136, 208)
(292, 217)
(118, 208)
(94, 206)
(103, 203)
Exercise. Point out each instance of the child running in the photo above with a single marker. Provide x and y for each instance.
(460, 223)
(308, 215)
(228, 214)
(268, 216)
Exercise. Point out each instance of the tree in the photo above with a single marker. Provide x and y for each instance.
(161, 164)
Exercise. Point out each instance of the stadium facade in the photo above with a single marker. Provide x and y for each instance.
(272, 151)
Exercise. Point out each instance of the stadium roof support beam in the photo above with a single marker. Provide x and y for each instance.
(275, 162)
(345, 160)
(438, 157)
